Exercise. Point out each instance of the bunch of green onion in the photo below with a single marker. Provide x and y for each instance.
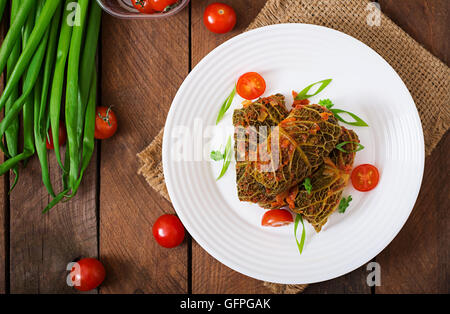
(50, 47)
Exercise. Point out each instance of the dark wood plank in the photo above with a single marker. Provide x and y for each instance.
(42, 245)
(353, 282)
(417, 259)
(203, 41)
(143, 64)
(209, 275)
(427, 21)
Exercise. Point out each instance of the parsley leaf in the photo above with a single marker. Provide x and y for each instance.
(326, 103)
(217, 155)
(344, 204)
(307, 184)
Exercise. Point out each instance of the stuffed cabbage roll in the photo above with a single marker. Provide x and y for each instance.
(328, 183)
(295, 148)
(252, 125)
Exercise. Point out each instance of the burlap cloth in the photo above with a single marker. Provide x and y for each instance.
(426, 77)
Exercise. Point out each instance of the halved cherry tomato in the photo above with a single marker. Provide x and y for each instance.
(365, 177)
(105, 123)
(160, 5)
(143, 6)
(219, 18)
(277, 218)
(251, 85)
(168, 231)
(87, 274)
(62, 136)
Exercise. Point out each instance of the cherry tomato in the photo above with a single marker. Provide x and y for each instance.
(251, 85)
(62, 136)
(160, 5)
(277, 218)
(219, 18)
(365, 177)
(105, 123)
(144, 6)
(87, 274)
(168, 231)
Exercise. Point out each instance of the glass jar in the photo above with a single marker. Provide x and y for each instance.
(125, 10)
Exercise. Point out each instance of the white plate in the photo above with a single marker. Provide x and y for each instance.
(290, 57)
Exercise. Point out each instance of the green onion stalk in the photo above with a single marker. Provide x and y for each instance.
(72, 92)
(12, 133)
(44, 54)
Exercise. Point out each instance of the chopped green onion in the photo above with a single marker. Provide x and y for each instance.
(226, 105)
(227, 158)
(304, 93)
(300, 244)
(358, 121)
(345, 202)
(341, 145)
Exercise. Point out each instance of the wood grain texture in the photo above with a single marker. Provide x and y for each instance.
(427, 21)
(41, 245)
(203, 41)
(143, 64)
(416, 261)
(351, 283)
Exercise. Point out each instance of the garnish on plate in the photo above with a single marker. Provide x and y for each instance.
(304, 93)
(365, 177)
(226, 105)
(225, 156)
(341, 145)
(336, 112)
(251, 85)
(358, 121)
(300, 243)
(216, 155)
(307, 184)
(326, 103)
(345, 202)
(276, 218)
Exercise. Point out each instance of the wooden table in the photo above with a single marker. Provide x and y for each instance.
(142, 65)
